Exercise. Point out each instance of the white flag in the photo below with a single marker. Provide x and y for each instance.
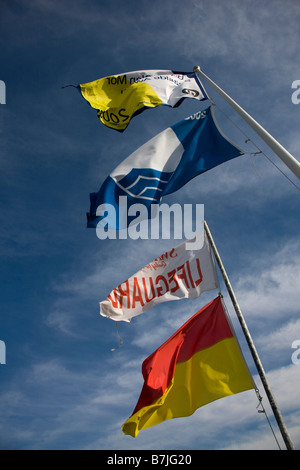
(176, 274)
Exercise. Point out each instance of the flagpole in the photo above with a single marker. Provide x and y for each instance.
(280, 151)
(259, 366)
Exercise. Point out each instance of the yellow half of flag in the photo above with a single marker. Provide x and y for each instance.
(200, 363)
(116, 104)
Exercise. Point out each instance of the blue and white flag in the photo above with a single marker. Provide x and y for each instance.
(164, 164)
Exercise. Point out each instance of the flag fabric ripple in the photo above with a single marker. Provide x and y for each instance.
(176, 274)
(163, 165)
(118, 98)
(199, 364)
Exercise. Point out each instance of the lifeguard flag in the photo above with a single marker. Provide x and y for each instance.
(163, 165)
(200, 363)
(179, 273)
(118, 98)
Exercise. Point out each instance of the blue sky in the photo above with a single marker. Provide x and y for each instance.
(61, 386)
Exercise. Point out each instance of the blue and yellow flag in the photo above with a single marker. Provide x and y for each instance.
(118, 98)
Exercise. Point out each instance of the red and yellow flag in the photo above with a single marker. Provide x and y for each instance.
(200, 363)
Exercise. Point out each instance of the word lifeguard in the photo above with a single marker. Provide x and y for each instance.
(176, 274)
(145, 290)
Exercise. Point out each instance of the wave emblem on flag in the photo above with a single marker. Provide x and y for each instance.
(176, 274)
(165, 164)
(118, 98)
(202, 362)
(163, 154)
(145, 186)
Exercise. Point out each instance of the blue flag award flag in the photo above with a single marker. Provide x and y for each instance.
(163, 165)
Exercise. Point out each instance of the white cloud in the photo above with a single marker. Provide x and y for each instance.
(270, 285)
(60, 401)
(280, 340)
(95, 401)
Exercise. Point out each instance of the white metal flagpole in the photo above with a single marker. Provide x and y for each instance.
(277, 148)
(284, 432)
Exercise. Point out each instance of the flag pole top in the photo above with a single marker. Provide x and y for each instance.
(281, 152)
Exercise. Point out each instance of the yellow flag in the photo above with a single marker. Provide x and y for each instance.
(120, 97)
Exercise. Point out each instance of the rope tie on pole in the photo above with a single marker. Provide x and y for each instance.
(263, 410)
(280, 151)
(255, 145)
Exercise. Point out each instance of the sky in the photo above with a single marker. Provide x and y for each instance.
(61, 386)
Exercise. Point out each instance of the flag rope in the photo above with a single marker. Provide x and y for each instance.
(120, 339)
(258, 364)
(291, 162)
(263, 410)
(255, 145)
(254, 167)
(66, 86)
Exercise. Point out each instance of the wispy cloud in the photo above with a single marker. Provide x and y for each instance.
(274, 285)
(271, 286)
(69, 390)
(80, 401)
